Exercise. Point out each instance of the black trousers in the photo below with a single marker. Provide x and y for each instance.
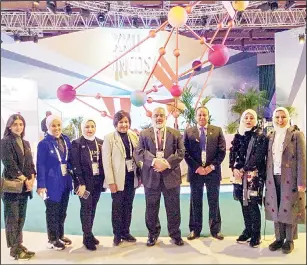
(252, 219)
(196, 204)
(14, 219)
(56, 215)
(122, 204)
(172, 206)
(88, 210)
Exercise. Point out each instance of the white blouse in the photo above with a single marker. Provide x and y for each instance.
(277, 149)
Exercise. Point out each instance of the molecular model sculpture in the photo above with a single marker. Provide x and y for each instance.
(218, 55)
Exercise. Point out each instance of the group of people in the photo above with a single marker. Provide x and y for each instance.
(124, 160)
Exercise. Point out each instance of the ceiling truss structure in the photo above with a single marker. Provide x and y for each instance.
(121, 14)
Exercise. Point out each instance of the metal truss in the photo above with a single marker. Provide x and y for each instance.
(255, 48)
(46, 21)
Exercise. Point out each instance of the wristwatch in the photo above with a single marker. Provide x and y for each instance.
(212, 167)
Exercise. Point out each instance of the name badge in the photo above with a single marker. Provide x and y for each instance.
(160, 154)
(203, 157)
(95, 168)
(129, 164)
(64, 169)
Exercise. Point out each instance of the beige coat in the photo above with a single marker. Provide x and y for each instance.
(113, 157)
(293, 174)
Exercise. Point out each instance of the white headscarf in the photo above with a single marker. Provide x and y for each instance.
(242, 127)
(276, 126)
(83, 124)
(49, 121)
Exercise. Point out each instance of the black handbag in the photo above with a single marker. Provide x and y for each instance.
(12, 185)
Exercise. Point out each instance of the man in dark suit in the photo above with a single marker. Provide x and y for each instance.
(161, 150)
(205, 150)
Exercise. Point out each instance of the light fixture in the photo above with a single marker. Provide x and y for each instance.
(101, 17)
(16, 37)
(68, 9)
(301, 38)
(204, 20)
(35, 38)
(289, 4)
(51, 6)
(135, 22)
(36, 3)
(274, 6)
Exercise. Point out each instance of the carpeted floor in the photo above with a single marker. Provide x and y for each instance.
(232, 220)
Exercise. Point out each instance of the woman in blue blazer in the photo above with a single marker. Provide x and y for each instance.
(86, 159)
(54, 183)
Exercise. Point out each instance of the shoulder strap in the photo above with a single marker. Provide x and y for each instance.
(249, 148)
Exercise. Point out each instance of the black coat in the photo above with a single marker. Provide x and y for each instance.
(15, 162)
(82, 165)
(256, 160)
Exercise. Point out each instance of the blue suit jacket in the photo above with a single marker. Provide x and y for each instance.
(48, 166)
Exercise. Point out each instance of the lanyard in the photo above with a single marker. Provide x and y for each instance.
(58, 153)
(97, 149)
(164, 139)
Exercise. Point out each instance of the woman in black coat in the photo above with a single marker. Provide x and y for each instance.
(247, 159)
(86, 159)
(18, 163)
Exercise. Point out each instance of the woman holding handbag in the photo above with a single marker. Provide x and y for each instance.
(18, 165)
(54, 182)
(86, 159)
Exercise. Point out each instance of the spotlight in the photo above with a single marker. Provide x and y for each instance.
(274, 6)
(204, 20)
(135, 22)
(51, 6)
(36, 3)
(301, 38)
(289, 4)
(16, 37)
(68, 9)
(101, 17)
(35, 38)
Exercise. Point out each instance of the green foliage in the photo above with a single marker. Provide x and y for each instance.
(232, 127)
(291, 110)
(252, 99)
(73, 129)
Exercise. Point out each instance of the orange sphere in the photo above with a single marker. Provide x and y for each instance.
(162, 51)
(202, 40)
(231, 23)
(220, 25)
(149, 100)
(188, 9)
(152, 33)
(176, 52)
(176, 114)
(149, 113)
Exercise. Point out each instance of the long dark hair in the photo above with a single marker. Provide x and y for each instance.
(10, 122)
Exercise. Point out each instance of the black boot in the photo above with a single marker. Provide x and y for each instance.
(89, 242)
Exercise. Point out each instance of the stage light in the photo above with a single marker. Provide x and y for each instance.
(274, 6)
(35, 38)
(16, 37)
(101, 17)
(301, 38)
(135, 22)
(36, 3)
(204, 20)
(68, 9)
(289, 4)
(51, 6)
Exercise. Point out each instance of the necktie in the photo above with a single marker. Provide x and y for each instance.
(159, 139)
(202, 139)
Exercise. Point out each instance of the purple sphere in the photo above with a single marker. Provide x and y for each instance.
(220, 55)
(195, 63)
(66, 93)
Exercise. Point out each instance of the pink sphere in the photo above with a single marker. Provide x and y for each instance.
(103, 113)
(149, 100)
(154, 89)
(176, 114)
(176, 91)
(220, 55)
(98, 96)
(149, 113)
(195, 63)
(66, 93)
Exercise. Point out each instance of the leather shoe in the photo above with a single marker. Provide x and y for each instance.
(178, 241)
(218, 236)
(193, 235)
(287, 247)
(65, 240)
(151, 241)
(117, 240)
(277, 244)
(129, 238)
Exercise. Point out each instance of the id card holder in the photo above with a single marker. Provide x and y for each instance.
(64, 169)
(160, 154)
(129, 164)
(95, 168)
(203, 157)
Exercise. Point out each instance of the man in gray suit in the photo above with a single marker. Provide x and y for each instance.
(205, 151)
(161, 150)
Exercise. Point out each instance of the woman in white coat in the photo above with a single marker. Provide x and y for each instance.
(121, 177)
